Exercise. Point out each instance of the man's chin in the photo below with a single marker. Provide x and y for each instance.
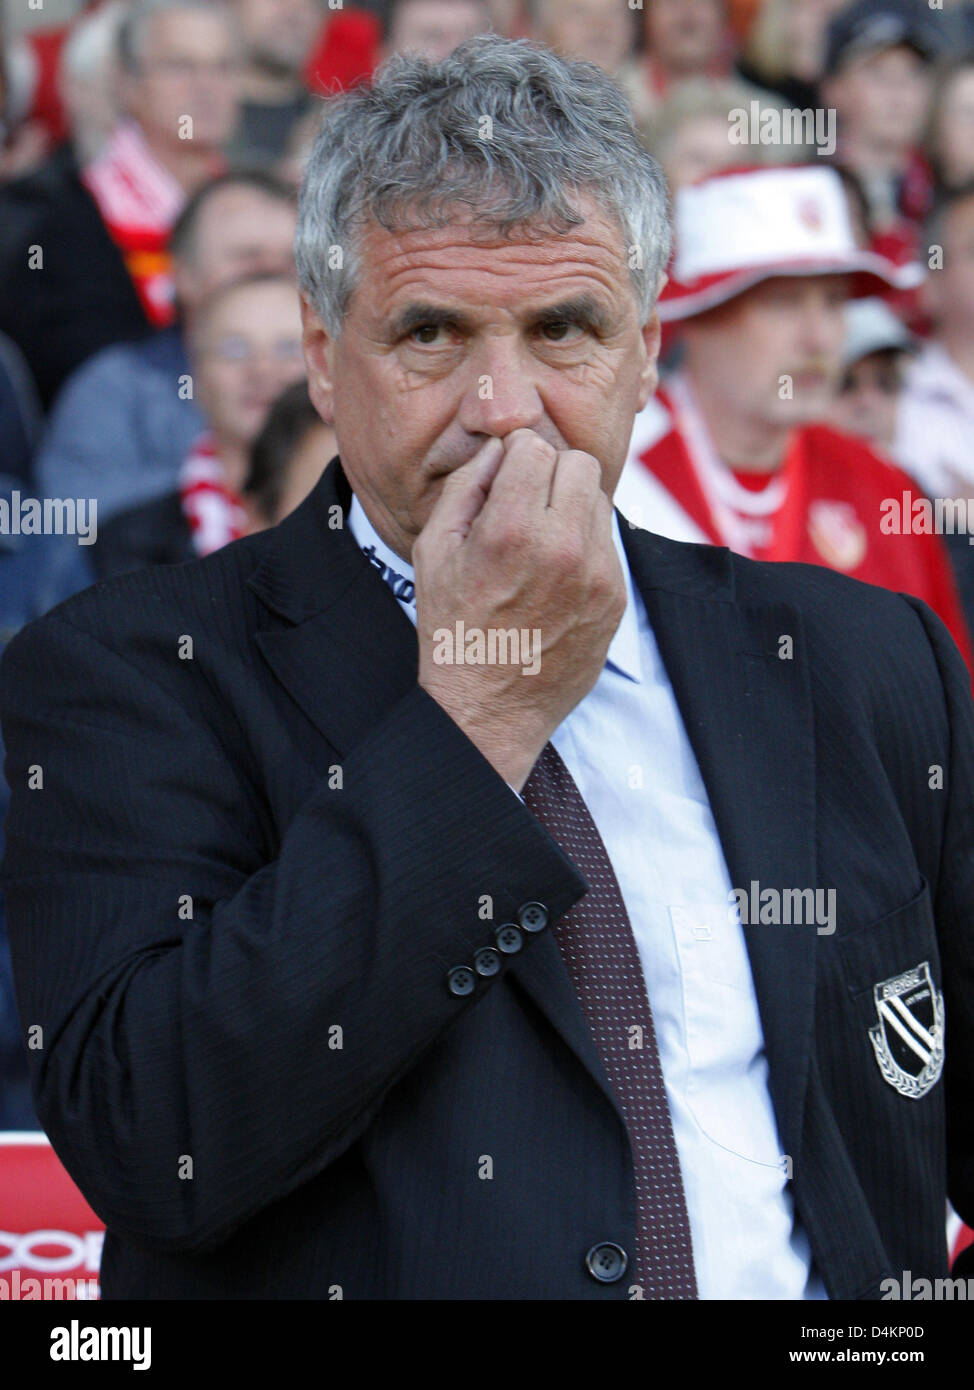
(810, 408)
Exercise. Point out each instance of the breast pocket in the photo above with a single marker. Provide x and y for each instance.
(892, 972)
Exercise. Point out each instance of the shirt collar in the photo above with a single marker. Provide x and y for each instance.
(623, 654)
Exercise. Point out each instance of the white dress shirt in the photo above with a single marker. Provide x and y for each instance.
(627, 749)
(935, 425)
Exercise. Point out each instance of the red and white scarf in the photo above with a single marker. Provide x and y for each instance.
(213, 510)
(139, 201)
(823, 505)
(744, 518)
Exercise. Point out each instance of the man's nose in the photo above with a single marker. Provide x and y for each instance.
(501, 394)
(822, 329)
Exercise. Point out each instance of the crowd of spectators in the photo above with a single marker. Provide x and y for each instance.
(150, 333)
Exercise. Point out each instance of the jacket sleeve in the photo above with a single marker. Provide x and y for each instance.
(945, 600)
(954, 915)
(189, 991)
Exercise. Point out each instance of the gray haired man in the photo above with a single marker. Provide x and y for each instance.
(379, 908)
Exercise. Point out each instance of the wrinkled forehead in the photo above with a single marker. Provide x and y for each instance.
(468, 255)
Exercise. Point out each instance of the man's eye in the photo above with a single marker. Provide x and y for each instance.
(559, 331)
(426, 333)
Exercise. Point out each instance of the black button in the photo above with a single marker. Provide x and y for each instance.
(460, 980)
(486, 961)
(606, 1262)
(533, 916)
(509, 939)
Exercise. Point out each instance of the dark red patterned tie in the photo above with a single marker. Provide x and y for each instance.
(599, 950)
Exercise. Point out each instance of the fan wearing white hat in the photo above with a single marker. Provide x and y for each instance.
(733, 449)
(875, 352)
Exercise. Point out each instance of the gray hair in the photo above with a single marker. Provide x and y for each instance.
(501, 125)
(132, 36)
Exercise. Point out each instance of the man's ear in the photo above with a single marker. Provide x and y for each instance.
(319, 357)
(649, 374)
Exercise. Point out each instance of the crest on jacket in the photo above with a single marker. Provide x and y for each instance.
(908, 1040)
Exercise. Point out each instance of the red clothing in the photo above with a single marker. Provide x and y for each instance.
(214, 512)
(45, 46)
(901, 245)
(46, 105)
(345, 52)
(139, 200)
(822, 507)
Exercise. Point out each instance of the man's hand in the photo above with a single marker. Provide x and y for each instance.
(520, 537)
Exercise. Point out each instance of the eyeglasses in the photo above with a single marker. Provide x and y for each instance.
(237, 349)
(887, 379)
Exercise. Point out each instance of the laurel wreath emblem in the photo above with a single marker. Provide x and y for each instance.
(912, 1086)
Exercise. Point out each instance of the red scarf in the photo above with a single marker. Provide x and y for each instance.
(215, 513)
(139, 201)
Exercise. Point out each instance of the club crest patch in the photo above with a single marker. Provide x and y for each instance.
(837, 533)
(908, 1040)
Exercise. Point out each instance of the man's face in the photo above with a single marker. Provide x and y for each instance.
(597, 30)
(867, 400)
(949, 292)
(245, 352)
(684, 35)
(775, 351)
(435, 27)
(278, 33)
(189, 68)
(452, 338)
(882, 98)
(699, 146)
(240, 232)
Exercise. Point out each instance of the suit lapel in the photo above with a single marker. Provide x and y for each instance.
(337, 640)
(746, 706)
(345, 651)
(340, 645)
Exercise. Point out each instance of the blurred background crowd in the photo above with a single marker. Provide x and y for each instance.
(818, 349)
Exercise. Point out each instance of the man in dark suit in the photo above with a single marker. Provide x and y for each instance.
(632, 962)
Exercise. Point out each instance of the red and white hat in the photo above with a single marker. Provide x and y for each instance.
(741, 226)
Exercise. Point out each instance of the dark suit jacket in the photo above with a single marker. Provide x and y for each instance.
(256, 829)
(150, 533)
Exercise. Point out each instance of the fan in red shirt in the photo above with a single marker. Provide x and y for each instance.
(731, 450)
